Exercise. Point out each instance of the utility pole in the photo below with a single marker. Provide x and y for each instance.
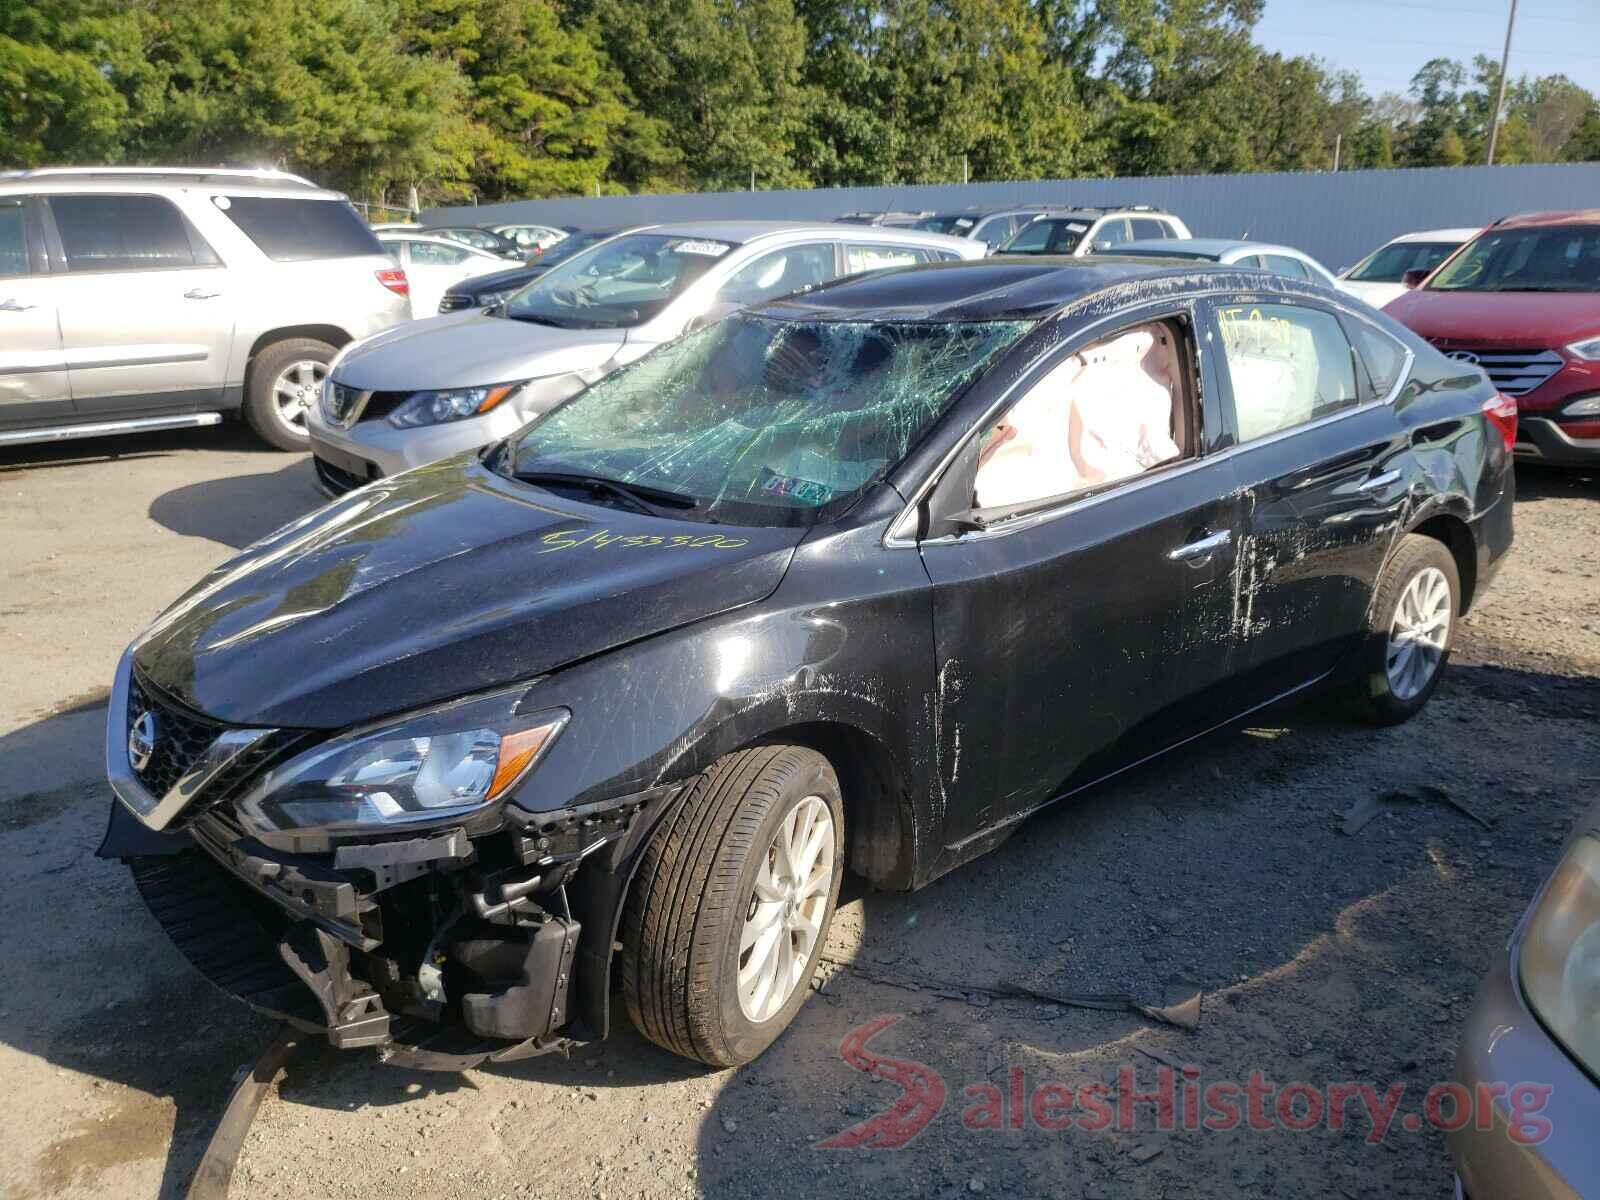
(1338, 145)
(965, 174)
(752, 179)
(1500, 95)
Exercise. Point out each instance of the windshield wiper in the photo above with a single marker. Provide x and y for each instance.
(537, 319)
(652, 501)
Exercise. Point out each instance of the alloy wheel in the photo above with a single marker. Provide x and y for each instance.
(296, 389)
(1419, 633)
(786, 909)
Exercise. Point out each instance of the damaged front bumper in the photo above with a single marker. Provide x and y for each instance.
(440, 950)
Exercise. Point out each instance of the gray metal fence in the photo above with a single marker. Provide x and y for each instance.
(1336, 218)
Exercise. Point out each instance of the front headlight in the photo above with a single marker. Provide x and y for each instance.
(446, 763)
(1588, 348)
(1561, 953)
(453, 404)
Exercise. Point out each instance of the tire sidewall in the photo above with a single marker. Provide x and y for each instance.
(1413, 558)
(261, 409)
(744, 1039)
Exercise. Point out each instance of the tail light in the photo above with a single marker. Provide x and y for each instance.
(1501, 413)
(394, 278)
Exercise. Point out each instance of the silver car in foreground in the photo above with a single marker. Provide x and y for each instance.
(144, 298)
(455, 382)
(1529, 1060)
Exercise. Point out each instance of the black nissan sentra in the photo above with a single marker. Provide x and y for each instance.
(862, 578)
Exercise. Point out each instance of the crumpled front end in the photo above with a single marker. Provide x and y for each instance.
(441, 947)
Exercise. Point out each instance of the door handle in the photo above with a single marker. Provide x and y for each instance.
(1201, 548)
(13, 306)
(200, 294)
(1378, 482)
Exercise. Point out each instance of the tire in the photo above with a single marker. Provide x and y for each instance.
(262, 407)
(1390, 687)
(695, 891)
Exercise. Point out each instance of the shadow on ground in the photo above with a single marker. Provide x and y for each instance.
(239, 509)
(232, 436)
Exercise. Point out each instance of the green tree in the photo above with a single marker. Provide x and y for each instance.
(56, 104)
(1449, 150)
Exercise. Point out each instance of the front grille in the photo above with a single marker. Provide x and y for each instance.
(454, 302)
(1514, 372)
(181, 736)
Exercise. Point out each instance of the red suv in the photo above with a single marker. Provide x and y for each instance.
(1522, 300)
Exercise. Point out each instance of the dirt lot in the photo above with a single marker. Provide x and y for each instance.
(1324, 956)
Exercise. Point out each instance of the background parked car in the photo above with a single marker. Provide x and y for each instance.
(989, 226)
(498, 286)
(433, 264)
(903, 220)
(455, 382)
(1522, 301)
(155, 298)
(480, 239)
(1280, 260)
(1380, 276)
(533, 238)
(1080, 231)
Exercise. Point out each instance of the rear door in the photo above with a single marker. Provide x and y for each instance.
(147, 313)
(33, 373)
(1074, 638)
(1318, 465)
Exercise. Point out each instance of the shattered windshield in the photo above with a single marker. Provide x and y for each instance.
(760, 421)
(620, 283)
(1548, 258)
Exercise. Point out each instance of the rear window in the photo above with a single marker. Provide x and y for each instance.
(297, 230)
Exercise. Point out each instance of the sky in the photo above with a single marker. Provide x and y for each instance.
(1385, 41)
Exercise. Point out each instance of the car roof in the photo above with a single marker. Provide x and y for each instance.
(1577, 216)
(1049, 212)
(1212, 248)
(125, 180)
(1461, 234)
(743, 232)
(992, 289)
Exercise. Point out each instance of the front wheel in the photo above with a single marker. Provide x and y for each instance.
(1409, 631)
(730, 908)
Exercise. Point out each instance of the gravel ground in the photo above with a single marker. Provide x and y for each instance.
(1323, 956)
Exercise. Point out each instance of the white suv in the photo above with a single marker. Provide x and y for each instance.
(155, 298)
(1081, 231)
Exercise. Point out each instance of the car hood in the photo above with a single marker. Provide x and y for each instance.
(1524, 319)
(470, 349)
(438, 583)
(496, 281)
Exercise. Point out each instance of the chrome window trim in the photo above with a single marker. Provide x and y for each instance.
(896, 537)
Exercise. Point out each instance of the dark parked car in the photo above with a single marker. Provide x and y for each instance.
(485, 291)
(864, 576)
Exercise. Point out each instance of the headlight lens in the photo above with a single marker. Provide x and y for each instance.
(453, 404)
(1588, 348)
(429, 767)
(1583, 406)
(1561, 953)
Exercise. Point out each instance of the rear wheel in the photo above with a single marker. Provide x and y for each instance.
(1409, 632)
(731, 905)
(285, 380)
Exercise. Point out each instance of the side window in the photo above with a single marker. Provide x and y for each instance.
(13, 236)
(1106, 413)
(1288, 364)
(1149, 227)
(779, 273)
(121, 233)
(1034, 237)
(436, 255)
(859, 256)
(1113, 231)
(1384, 357)
(1282, 264)
(394, 248)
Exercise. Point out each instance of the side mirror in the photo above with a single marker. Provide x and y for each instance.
(1414, 277)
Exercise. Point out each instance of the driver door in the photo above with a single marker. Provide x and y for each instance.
(1079, 635)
